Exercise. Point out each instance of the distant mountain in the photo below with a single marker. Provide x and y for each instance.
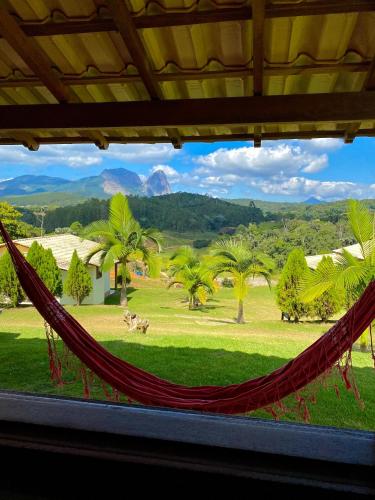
(30, 184)
(104, 185)
(313, 201)
(157, 184)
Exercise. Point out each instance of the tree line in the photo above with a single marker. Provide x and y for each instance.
(179, 212)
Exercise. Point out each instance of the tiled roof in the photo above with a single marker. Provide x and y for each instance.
(313, 260)
(92, 61)
(63, 246)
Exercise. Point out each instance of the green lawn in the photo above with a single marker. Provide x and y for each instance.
(188, 347)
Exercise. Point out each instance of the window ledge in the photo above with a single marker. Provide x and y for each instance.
(330, 459)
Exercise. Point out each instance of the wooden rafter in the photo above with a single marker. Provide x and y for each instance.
(126, 26)
(352, 129)
(26, 140)
(338, 134)
(299, 108)
(28, 49)
(258, 56)
(295, 9)
(35, 58)
(258, 45)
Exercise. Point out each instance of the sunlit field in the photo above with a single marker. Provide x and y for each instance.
(204, 346)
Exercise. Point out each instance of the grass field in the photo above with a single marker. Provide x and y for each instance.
(188, 347)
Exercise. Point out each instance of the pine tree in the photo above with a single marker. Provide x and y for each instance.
(45, 265)
(78, 283)
(10, 287)
(288, 288)
(329, 302)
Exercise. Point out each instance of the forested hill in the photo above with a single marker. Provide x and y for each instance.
(175, 212)
(326, 211)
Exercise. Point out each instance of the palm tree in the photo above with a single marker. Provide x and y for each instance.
(234, 257)
(186, 269)
(122, 239)
(348, 273)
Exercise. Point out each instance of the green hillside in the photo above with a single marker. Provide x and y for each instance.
(326, 211)
(178, 212)
(49, 199)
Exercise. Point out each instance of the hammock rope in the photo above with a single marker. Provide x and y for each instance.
(330, 350)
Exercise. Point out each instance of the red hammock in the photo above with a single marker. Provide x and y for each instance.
(143, 387)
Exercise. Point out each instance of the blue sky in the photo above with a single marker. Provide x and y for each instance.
(280, 170)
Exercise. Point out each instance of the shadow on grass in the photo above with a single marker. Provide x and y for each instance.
(24, 366)
(114, 298)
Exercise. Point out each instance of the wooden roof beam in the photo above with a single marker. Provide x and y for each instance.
(258, 57)
(299, 108)
(26, 140)
(258, 45)
(30, 52)
(124, 22)
(35, 58)
(339, 134)
(126, 26)
(295, 9)
(96, 137)
(369, 85)
(175, 138)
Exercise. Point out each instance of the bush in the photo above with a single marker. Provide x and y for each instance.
(288, 288)
(45, 265)
(78, 283)
(10, 288)
(201, 243)
(227, 283)
(330, 302)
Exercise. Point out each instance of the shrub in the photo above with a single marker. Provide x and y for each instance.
(288, 288)
(45, 265)
(330, 302)
(10, 288)
(227, 283)
(201, 243)
(78, 283)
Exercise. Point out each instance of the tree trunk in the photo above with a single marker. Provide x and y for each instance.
(123, 294)
(191, 303)
(240, 315)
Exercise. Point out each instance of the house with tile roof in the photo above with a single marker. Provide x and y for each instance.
(63, 246)
(313, 260)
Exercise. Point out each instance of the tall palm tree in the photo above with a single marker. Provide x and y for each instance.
(186, 269)
(234, 257)
(122, 239)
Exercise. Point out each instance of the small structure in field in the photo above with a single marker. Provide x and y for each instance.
(134, 322)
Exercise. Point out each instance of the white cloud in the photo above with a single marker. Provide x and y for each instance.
(84, 155)
(281, 169)
(329, 190)
(141, 153)
(323, 143)
(283, 159)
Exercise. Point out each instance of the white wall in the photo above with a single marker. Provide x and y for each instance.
(100, 289)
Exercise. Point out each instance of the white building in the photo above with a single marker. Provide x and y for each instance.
(313, 260)
(63, 246)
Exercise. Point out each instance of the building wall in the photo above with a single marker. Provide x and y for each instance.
(101, 288)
